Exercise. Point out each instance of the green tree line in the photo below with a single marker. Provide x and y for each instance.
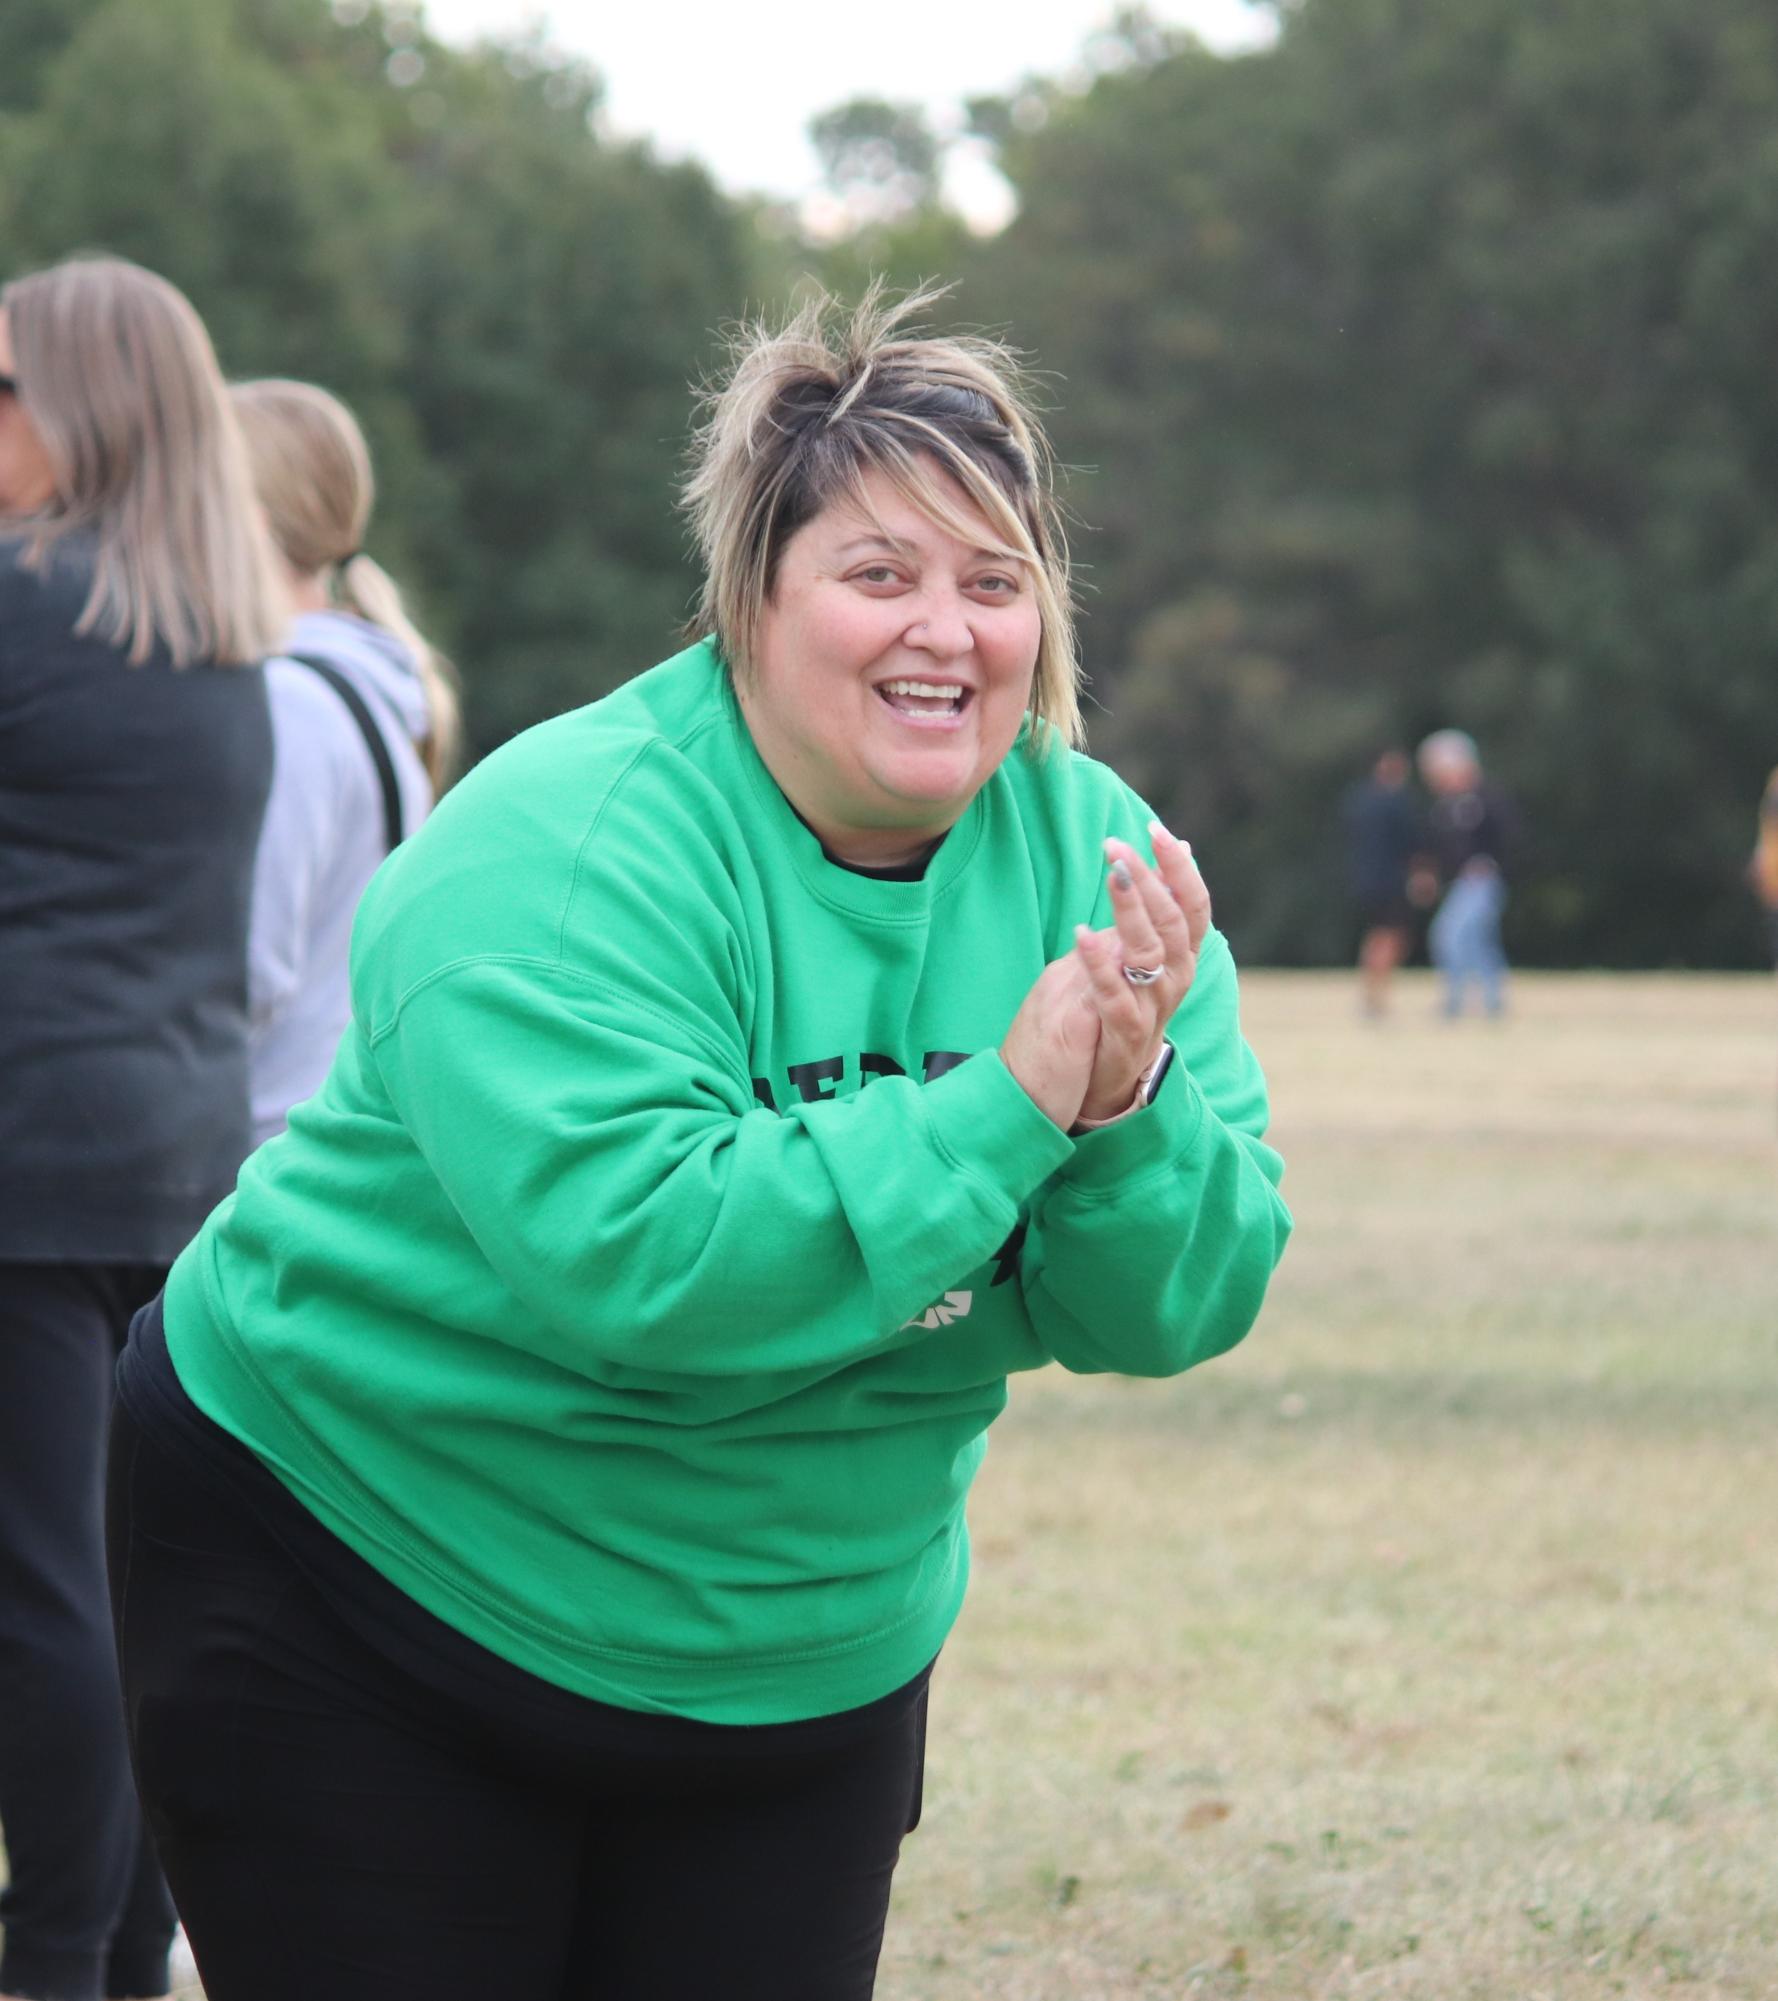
(1415, 369)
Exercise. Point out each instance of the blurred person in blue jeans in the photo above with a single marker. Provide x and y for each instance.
(1471, 829)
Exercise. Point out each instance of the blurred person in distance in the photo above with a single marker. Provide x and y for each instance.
(1384, 842)
(1762, 864)
(364, 728)
(1471, 831)
(136, 583)
(747, 1074)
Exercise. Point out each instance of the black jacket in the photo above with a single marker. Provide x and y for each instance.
(130, 803)
(1477, 825)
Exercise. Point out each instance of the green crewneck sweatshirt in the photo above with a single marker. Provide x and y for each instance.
(638, 1290)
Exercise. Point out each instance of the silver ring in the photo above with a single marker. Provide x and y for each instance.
(1143, 976)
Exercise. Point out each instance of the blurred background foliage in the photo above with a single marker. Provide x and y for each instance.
(1416, 369)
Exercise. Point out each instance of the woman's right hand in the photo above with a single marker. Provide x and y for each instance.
(1053, 1039)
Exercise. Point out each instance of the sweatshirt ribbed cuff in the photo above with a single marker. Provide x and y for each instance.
(982, 1117)
(1144, 1143)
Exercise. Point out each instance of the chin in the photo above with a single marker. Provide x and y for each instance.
(933, 776)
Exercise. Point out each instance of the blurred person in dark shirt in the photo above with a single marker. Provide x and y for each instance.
(1384, 842)
(1471, 832)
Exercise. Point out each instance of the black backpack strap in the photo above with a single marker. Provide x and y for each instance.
(374, 740)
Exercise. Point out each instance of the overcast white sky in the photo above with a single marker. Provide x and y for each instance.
(734, 83)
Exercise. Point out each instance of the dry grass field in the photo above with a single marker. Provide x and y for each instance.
(1427, 1646)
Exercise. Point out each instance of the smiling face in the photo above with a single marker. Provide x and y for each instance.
(891, 670)
(27, 479)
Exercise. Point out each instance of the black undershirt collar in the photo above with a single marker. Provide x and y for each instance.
(908, 871)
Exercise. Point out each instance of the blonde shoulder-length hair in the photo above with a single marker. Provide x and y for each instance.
(805, 412)
(118, 377)
(312, 472)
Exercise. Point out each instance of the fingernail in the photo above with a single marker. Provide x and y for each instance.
(1120, 874)
(1160, 833)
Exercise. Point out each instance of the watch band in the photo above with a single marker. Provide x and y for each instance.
(1147, 1086)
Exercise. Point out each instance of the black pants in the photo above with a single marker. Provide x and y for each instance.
(335, 1822)
(86, 1913)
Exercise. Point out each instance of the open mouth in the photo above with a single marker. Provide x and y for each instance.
(932, 700)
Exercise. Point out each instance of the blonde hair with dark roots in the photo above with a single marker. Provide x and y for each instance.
(312, 472)
(807, 411)
(119, 379)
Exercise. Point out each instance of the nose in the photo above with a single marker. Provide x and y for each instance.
(941, 626)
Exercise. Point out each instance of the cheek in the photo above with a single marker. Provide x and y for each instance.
(1015, 649)
(850, 634)
(25, 474)
(11, 482)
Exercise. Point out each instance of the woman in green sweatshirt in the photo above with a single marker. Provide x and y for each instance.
(540, 1503)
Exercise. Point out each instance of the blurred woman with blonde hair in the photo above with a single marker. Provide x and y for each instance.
(135, 582)
(364, 723)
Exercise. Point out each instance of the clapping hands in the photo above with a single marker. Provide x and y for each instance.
(1090, 1028)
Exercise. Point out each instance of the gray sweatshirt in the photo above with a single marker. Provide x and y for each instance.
(322, 842)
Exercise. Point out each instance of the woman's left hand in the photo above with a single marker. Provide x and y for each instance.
(1161, 915)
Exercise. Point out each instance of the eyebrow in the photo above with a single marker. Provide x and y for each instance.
(898, 547)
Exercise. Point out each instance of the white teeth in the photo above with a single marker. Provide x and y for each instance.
(948, 691)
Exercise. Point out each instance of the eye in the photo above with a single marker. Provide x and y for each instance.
(997, 584)
(879, 575)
